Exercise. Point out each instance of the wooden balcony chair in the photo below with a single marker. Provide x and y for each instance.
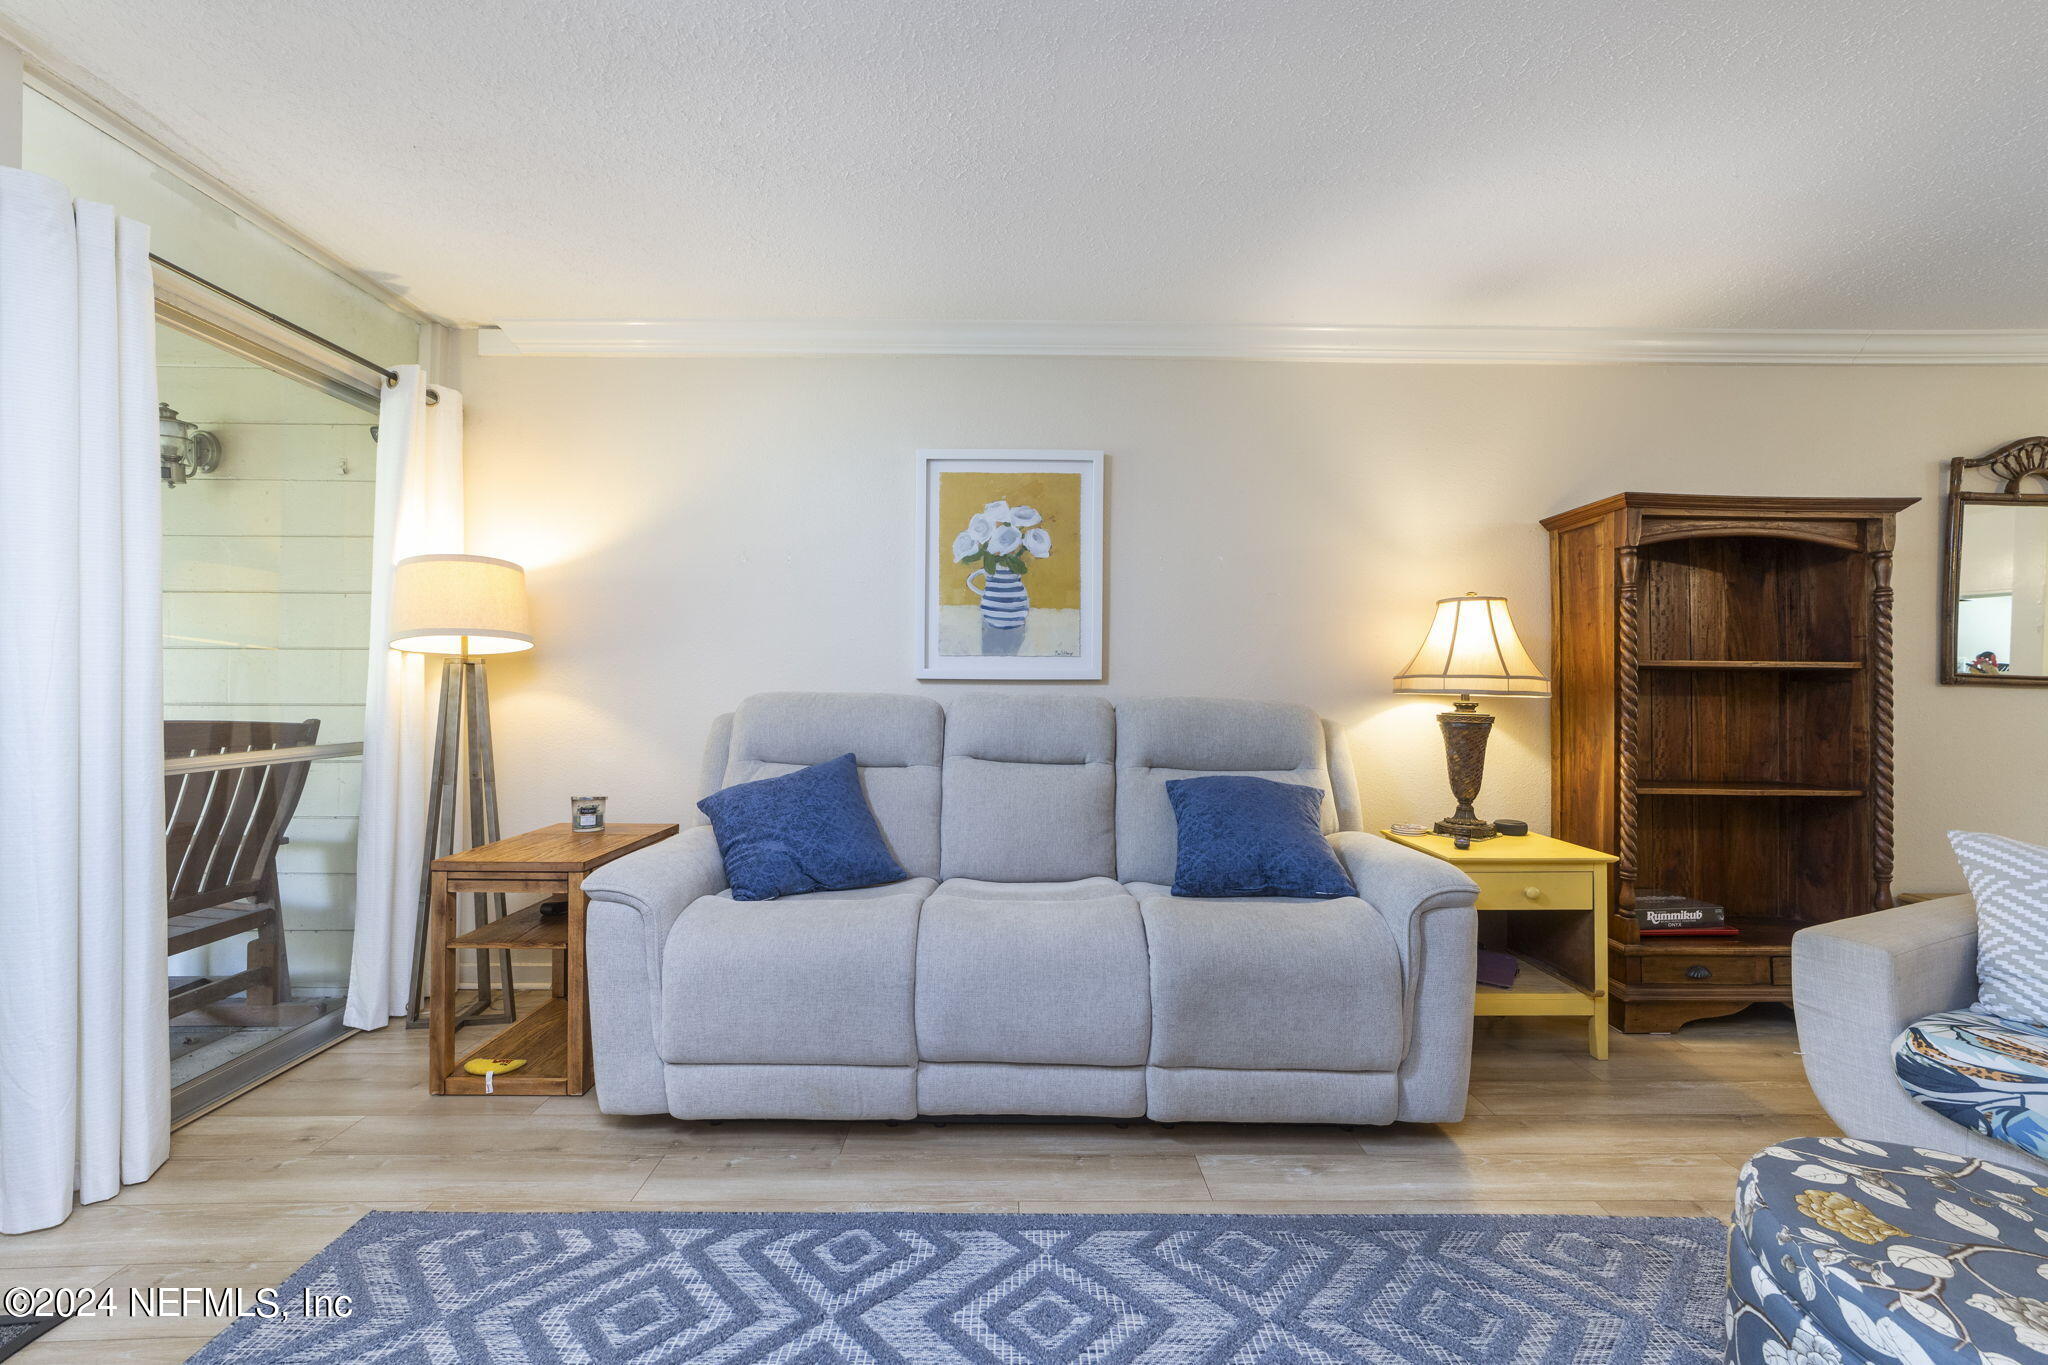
(222, 832)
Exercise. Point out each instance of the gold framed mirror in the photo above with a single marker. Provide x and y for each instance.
(1994, 583)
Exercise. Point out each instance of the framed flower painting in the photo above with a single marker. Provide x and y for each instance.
(1012, 550)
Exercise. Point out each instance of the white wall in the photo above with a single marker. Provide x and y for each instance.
(267, 612)
(700, 530)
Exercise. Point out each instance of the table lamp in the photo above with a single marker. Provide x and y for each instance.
(1471, 650)
(462, 607)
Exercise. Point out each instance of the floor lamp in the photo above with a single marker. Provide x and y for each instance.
(462, 607)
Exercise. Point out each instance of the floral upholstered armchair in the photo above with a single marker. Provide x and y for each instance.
(1894, 1048)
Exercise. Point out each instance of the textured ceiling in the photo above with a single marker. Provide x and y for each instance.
(1626, 163)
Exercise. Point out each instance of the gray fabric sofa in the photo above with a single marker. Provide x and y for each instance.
(1856, 984)
(1035, 961)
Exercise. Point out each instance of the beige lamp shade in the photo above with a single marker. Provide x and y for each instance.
(1472, 649)
(459, 604)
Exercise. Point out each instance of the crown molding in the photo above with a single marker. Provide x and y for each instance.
(69, 89)
(1357, 345)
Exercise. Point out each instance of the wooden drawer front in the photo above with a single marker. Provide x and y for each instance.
(1720, 971)
(1534, 890)
(1781, 971)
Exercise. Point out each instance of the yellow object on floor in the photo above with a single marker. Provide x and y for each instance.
(492, 1066)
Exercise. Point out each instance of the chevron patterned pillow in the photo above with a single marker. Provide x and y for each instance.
(2010, 881)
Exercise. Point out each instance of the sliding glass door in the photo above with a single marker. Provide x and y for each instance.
(268, 488)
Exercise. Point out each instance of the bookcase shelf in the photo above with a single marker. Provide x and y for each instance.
(1785, 665)
(1669, 788)
(1723, 722)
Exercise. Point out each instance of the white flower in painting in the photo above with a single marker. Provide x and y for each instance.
(1006, 539)
(1807, 1347)
(1039, 541)
(981, 526)
(2028, 1318)
(965, 545)
(1025, 516)
(997, 510)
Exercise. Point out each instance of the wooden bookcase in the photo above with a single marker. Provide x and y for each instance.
(1723, 724)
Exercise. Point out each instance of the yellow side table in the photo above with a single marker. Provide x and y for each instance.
(1545, 901)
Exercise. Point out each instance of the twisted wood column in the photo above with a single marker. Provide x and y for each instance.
(1881, 724)
(1628, 656)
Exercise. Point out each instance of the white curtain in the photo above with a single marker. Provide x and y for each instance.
(84, 1029)
(419, 511)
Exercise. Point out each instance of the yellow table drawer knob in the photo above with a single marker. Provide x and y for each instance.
(1532, 893)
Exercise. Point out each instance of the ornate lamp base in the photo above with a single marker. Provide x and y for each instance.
(1465, 729)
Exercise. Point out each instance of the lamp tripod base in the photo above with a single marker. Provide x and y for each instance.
(1466, 729)
(462, 748)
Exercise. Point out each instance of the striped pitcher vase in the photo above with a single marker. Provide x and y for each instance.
(1003, 599)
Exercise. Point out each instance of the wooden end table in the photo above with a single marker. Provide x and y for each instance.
(1545, 901)
(554, 1039)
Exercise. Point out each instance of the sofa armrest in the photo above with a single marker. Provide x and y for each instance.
(659, 882)
(634, 903)
(1428, 906)
(1856, 984)
(1402, 884)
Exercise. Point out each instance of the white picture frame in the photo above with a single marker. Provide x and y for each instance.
(942, 629)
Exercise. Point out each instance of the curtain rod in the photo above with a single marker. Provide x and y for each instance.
(390, 376)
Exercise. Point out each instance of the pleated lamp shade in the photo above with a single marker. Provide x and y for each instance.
(1472, 649)
(459, 604)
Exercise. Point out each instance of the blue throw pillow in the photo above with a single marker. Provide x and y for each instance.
(810, 830)
(1246, 836)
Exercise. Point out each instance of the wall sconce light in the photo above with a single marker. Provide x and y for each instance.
(182, 448)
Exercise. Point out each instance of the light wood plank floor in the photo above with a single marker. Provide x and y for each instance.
(254, 1189)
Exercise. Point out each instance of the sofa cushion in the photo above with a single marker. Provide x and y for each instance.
(1163, 739)
(1249, 836)
(1032, 972)
(817, 980)
(810, 830)
(898, 742)
(1986, 1074)
(1030, 790)
(1273, 985)
(2009, 880)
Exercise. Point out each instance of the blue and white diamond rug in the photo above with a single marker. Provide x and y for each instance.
(1029, 1289)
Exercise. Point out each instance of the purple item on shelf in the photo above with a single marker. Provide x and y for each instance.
(1497, 969)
